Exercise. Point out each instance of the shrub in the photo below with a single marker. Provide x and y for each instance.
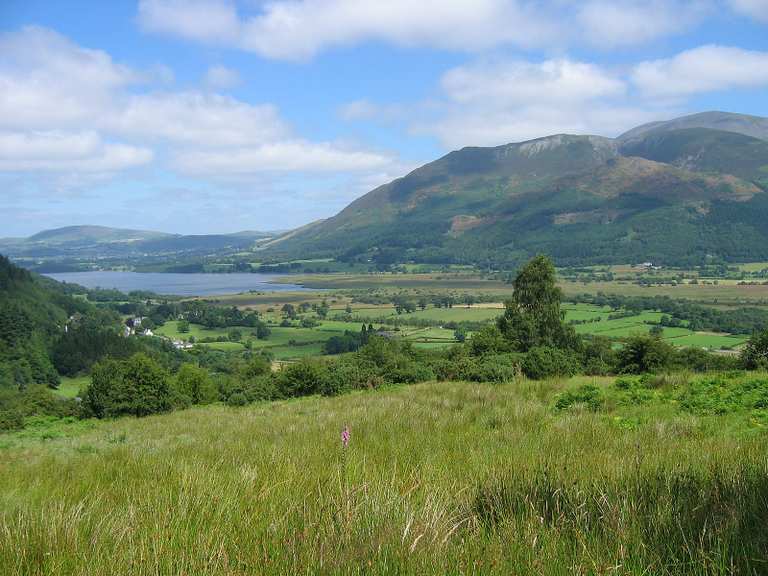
(644, 354)
(137, 386)
(487, 340)
(587, 394)
(302, 378)
(195, 384)
(237, 399)
(545, 362)
(261, 388)
(11, 419)
(755, 353)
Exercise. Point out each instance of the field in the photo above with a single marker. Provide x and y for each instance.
(438, 478)
(70, 387)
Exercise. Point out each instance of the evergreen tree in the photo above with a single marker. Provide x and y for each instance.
(532, 317)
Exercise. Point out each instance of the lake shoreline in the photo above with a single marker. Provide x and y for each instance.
(189, 284)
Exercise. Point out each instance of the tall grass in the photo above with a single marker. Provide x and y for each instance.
(438, 478)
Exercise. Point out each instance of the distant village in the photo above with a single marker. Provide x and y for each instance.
(133, 328)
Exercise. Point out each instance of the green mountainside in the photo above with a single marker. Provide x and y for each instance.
(661, 193)
(33, 313)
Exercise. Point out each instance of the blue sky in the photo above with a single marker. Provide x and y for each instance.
(205, 116)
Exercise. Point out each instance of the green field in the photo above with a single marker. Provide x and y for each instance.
(455, 314)
(439, 478)
(70, 387)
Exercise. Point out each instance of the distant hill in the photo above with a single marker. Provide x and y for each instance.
(82, 242)
(668, 192)
(93, 234)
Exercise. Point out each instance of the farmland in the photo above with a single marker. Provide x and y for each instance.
(424, 327)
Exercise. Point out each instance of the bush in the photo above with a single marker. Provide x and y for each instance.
(588, 395)
(11, 419)
(545, 362)
(261, 388)
(755, 353)
(195, 384)
(489, 368)
(138, 386)
(302, 378)
(644, 354)
(237, 399)
(488, 340)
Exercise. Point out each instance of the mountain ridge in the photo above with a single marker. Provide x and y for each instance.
(669, 191)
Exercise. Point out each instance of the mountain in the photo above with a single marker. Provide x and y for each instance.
(668, 192)
(754, 126)
(78, 243)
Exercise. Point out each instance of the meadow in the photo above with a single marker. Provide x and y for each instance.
(579, 476)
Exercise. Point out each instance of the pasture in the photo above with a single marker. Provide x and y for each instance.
(581, 476)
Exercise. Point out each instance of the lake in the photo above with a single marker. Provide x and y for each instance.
(177, 284)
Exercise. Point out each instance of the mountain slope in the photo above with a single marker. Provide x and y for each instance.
(660, 194)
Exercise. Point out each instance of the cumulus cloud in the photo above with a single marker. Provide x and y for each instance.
(757, 9)
(67, 151)
(300, 29)
(198, 118)
(45, 80)
(610, 23)
(493, 103)
(203, 20)
(703, 69)
(67, 108)
(288, 156)
(521, 82)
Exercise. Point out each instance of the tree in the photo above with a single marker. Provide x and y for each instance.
(289, 311)
(460, 334)
(137, 386)
(235, 335)
(262, 331)
(195, 383)
(755, 353)
(422, 303)
(183, 326)
(532, 317)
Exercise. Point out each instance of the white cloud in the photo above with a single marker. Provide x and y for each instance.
(66, 151)
(757, 9)
(221, 77)
(288, 156)
(493, 103)
(520, 82)
(703, 69)
(300, 29)
(610, 23)
(200, 119)
(203, 20)
(46, 80)
(69, 109)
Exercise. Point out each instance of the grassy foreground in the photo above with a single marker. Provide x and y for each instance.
(438, 478)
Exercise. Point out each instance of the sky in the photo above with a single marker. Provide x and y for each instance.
(214, 116)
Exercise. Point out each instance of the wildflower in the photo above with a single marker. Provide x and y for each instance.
(345, 436)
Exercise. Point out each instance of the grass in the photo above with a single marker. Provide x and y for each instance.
(439, 478)
(70, 387)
